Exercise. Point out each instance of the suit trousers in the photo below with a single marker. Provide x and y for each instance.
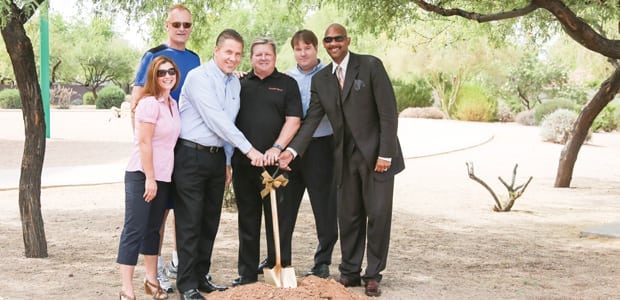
(364, 217)
(314, 171)
(199, 178)
(142, 219)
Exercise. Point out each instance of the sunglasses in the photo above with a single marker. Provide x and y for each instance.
(162, 73)
(329, 39)
(186, 25)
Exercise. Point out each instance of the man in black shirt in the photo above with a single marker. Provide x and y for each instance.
(269, 117)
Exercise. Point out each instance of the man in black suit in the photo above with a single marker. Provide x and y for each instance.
(356, 94)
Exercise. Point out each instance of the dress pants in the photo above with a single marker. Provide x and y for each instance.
(314, 171)
(364, 215)
(247, 182)
(199, 177)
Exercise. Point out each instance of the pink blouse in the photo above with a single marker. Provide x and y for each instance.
(165, 135)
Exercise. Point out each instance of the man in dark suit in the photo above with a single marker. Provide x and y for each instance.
(356, 94)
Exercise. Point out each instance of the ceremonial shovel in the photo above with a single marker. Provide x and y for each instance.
(278, 276)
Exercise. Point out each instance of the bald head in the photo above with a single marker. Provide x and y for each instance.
(336, 27)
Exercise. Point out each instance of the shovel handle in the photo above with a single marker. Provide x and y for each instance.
(276, 228)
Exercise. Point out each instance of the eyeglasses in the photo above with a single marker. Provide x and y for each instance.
(186, 25)
(162, 73)
(329, 39)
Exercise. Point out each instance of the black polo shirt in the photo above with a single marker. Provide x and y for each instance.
(264, 106)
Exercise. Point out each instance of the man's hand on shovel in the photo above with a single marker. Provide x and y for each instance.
(285, 159)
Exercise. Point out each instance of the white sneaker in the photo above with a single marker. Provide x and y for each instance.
(164, 283)
(171, 270)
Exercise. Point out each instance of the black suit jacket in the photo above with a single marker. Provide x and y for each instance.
(368, 103)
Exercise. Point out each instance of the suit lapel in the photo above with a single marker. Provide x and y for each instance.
(352, 70)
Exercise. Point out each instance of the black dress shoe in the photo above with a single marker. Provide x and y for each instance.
(207, 286)
(243, 280)
(320, 270)
(192, 294)
(263, 264)
(372, 288)
(349, 281)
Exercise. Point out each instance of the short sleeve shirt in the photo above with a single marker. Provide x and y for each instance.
(167, 128)
(265, 104)
(186, 60)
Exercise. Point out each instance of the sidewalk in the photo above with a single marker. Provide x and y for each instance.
(439, 137)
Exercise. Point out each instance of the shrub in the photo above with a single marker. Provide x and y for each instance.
(543, 109)
(109, 96)
(526, 118)
(422, 112)
(474, 105)
(76, 102)
(414, 94)
(88, 98)
(504, 114)
(557, 126)
(9, 98)
(606, 121)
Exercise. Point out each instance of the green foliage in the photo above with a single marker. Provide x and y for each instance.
(557, 127)
(531, 78)
(607, 120)
(414, 94)
(474, 105)
(9, 98)
(88, 98)
(549, 106)
(109, 96)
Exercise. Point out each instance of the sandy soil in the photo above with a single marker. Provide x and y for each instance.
(446, 241)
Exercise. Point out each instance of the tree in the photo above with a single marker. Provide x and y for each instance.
(19, 47)
(537, 18)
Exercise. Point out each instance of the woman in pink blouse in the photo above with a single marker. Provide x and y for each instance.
(148, 175)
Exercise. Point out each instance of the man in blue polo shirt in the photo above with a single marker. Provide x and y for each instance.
(179, 27)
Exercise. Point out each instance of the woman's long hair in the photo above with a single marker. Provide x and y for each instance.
(151, 86)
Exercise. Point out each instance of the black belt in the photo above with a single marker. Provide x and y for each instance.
(210, 149)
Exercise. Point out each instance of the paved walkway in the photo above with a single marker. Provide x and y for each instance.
(440, 137)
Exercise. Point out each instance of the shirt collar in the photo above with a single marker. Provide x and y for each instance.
(315, 69)
(344, 64)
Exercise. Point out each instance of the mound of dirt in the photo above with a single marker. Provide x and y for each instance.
(310, 287)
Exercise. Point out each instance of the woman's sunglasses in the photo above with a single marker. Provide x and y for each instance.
(162, 73)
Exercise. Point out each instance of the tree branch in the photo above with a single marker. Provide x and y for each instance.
(480, 18)
(470, 172)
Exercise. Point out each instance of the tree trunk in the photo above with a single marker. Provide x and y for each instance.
(569, 153)
(20, 50)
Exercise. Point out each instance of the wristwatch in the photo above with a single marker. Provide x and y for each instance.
(278, 147)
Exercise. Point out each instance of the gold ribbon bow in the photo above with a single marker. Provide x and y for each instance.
(270, 183)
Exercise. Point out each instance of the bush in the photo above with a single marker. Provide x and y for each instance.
(109, 96)
(9, 98)
(76, 102)
(544, 109)
(504, 114)
(607, 120)
(557, 126)
(526, 118)
(88, 98)
(423, 113)
(473, 104)
(414, 94)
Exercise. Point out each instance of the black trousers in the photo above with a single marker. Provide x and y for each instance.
(247, 182)
(199, 178)
(364, 217)
(314, 171)
(142, 219)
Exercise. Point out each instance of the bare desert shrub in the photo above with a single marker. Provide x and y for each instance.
(504, 114)
(422, 113)
(557, 126)
(526, 118)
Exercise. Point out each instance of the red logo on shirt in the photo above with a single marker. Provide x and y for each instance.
(275, 89)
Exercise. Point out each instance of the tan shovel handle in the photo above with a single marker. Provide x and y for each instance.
(276, 228)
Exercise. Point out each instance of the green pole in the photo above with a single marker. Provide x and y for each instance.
(45, 64)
